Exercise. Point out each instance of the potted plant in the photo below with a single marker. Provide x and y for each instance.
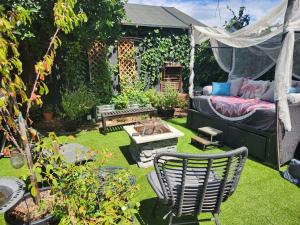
(48, 112)
(167, 102)
(15, 104)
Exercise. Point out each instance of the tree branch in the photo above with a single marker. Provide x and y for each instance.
(38, 75)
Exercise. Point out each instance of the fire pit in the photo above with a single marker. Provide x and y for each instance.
(151, 126)
(150, 137)
(11, 191)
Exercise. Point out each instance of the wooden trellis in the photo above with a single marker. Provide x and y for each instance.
(95, 53)
(127, 61)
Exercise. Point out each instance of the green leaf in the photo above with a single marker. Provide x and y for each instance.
(33, 191)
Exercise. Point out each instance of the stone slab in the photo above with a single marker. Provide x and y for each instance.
(143, 149)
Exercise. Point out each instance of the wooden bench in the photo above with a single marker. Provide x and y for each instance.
(125, 113)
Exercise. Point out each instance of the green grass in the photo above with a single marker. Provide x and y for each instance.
(262, 196)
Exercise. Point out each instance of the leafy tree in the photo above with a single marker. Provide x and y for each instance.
(104, 21)
(104, 24)
(15, 103)
(237, 21)
(206, 67)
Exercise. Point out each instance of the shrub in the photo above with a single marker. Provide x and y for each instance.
(77, 103)
(120, 101)
(153, 97)
(80, 195)
(164, 100)
(182, 103)
(132, 93)
(168, 99)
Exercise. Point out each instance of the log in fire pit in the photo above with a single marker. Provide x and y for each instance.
(151, 126)
(150, 137)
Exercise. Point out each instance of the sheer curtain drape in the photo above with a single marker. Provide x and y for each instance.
(255, 49)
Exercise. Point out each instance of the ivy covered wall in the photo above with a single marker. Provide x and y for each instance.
(158, 45)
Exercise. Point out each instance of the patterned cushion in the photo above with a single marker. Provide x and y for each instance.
(253, 89)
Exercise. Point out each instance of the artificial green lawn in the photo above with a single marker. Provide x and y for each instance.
(262, 196)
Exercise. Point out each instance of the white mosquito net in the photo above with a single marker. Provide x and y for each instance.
(250, 52)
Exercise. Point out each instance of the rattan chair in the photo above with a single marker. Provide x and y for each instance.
(190, 184)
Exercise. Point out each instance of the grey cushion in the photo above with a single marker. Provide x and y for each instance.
(236, 86)
(269, 94)
(192, 180)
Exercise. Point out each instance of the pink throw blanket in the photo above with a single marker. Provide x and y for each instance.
(236, 108)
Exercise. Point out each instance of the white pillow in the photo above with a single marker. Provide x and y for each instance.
(207, 90)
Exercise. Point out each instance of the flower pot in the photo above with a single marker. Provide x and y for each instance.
(47, 220)
(166, 113)
(48, 116)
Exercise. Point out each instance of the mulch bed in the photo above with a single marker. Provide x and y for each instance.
(27, 210)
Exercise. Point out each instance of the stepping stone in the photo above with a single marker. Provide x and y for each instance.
(75, 153)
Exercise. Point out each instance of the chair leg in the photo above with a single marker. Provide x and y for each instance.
(171, 219)
(155, 207)
(216, 219)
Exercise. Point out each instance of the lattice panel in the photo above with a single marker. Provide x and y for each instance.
(127, 61)
(95, 53)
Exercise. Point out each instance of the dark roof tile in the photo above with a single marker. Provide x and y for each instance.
(157, 16)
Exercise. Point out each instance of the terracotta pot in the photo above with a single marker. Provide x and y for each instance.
(47, 220)
(48, 116)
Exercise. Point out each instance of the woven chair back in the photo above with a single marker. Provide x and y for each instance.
(195, 183)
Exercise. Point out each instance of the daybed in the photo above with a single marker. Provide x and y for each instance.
(272, 41)
(258, 132)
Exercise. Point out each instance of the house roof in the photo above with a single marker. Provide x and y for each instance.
(157, 16)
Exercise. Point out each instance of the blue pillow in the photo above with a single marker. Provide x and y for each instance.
(294, 90)
(222, 89)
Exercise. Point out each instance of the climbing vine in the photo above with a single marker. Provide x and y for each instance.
(158, 49)
(75, 70)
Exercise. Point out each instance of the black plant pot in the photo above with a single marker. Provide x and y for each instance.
(47, 220)
(71, 125)
(166, 113)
